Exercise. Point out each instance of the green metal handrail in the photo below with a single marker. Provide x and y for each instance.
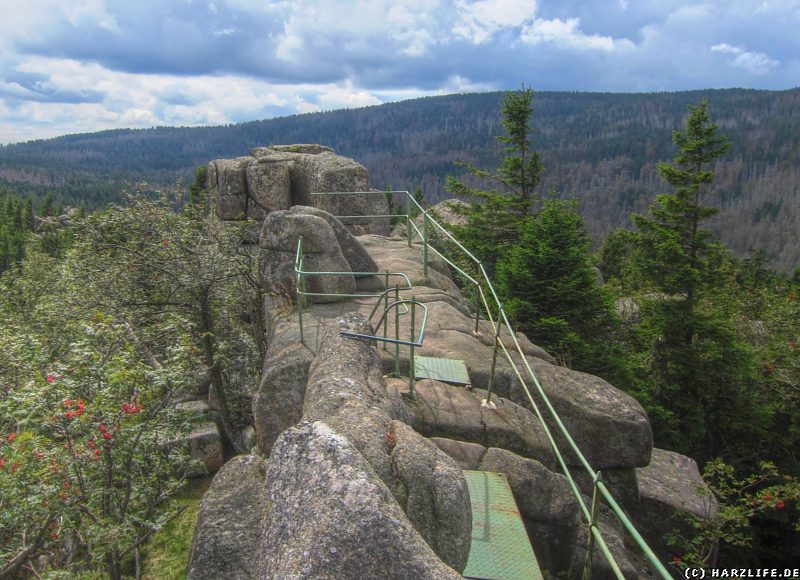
(589, 514)
(300, 283)
(397, 341)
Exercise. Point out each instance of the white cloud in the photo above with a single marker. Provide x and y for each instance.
(459, 84)
(90, 13)
(756, 63)
(346, 97)
(479, 20)
(303, 106)
(362, 28)
(565, 34)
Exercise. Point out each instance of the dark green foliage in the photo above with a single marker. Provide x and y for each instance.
(46, 207)
(675, 250)
(198, 192)
(552, 292)
(521, 169)
(696, 372)
(16, 220)
(419, 197)
(540, 260)
(703, 385)
(615, 254)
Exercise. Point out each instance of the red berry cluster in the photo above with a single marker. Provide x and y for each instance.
(131, 409)
(75, 408)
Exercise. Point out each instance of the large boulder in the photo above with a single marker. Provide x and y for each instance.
(467, 455)
(433, 494)
(328, 172)
(347, 391)
(226, 540)
(226, 178)
(268, 183)
(672, 491)
(610, 428)
(546, 503)
(331, 516)
(278, 404)
(278, 251)
(204, 444)
(348, 369)
(357, 257)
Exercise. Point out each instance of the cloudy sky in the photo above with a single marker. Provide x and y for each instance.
(70, 66)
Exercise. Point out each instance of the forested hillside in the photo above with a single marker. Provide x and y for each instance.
(599, 148)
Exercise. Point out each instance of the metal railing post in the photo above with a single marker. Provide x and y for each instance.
(494, 363)
(411, 370)
(408, 218)
(396, 332)
(587, 565)
(477, 317)
(385, 308)
(299, 288)
(425, 244)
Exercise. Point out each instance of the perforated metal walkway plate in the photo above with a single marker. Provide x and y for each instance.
(441, 369)
(500, 546)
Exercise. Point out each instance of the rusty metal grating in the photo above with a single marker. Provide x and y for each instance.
(500, 547)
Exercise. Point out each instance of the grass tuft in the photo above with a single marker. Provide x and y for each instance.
(166, 555)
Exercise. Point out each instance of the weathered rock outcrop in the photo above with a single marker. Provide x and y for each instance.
(278, 177)
(352, 486)
(444, 410)
(278, 252)
(205, 444)
(278, 404)
(347, 391)
(330, 516)
(327, 247)
(354, 253)
(226, 537)
(610, 427)
(670, 489)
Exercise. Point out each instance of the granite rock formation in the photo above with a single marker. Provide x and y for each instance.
(279, 177)
(357, 477)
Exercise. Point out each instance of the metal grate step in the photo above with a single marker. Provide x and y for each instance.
(441, 369)
(500, 546)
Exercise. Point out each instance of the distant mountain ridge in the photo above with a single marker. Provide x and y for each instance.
(600, 148)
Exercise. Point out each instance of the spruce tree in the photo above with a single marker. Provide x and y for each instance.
(675, 250)
(700, 372)
(198, 193)
(495, 217)
(550, 289)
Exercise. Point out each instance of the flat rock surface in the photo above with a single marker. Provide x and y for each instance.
(454, 412)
